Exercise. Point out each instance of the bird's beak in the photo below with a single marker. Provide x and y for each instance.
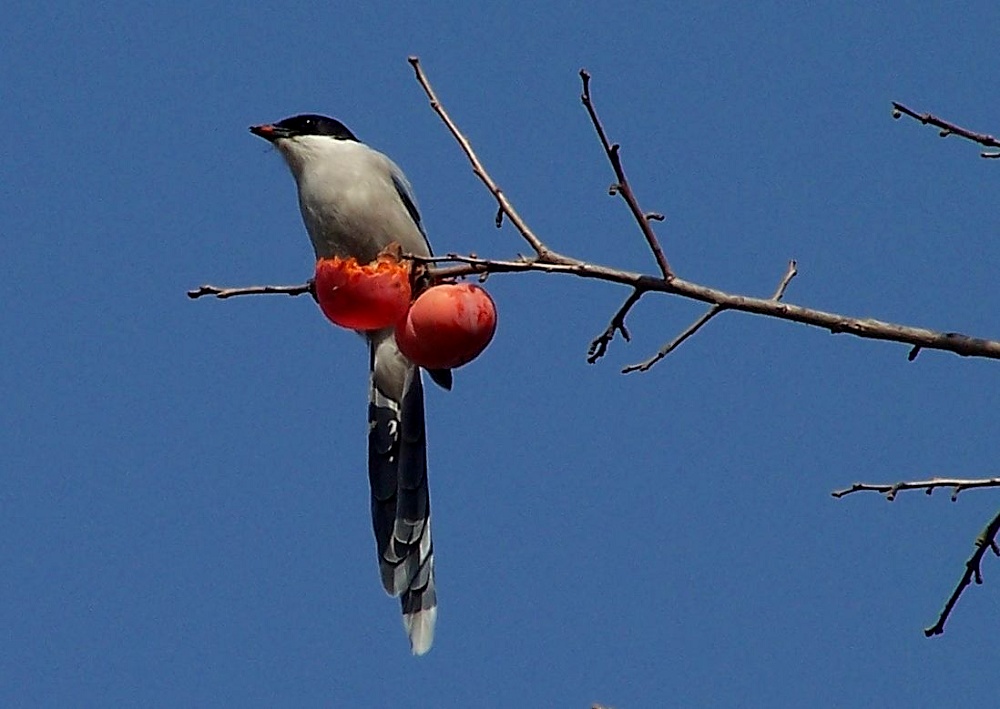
(269, 132)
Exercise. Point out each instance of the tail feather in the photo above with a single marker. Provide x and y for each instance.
(397, 472)
(413, 503)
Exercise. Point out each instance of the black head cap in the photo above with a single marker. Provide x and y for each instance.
(304, 124)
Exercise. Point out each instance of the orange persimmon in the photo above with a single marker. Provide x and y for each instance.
(447, 326)
(363, 297)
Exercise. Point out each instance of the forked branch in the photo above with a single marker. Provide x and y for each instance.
(548, 260)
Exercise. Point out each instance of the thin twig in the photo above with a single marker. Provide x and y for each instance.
(505, 207)
(223, 293)
(676, 342)
(779, 293)
(623, 187)
(948, 128)
(792, 271)
(890, 490)
(973, 569)
(600, 344)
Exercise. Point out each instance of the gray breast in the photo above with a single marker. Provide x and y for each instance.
(356, 211)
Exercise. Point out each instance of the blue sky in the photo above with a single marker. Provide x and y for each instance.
(184, 503)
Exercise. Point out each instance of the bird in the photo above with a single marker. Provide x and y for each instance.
(355, 202)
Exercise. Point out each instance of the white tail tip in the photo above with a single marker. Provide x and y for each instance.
(420, 627)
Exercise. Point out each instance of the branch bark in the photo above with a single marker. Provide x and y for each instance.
(890, 490)
(623, 187)
(948, 128)
(222, 293)
(836, 323)
(986, 540)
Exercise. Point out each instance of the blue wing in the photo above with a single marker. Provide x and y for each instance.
(405, 193)
(441, 377)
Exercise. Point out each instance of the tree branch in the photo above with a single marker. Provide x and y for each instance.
(600, 344)
(676, 342)
(836, 323)
(505, 207)
(224, 293)
(986, 540)
(890, 490)
(948, 128)
(791, 272)
(623, 187)
(779, 293)
(549, 261)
